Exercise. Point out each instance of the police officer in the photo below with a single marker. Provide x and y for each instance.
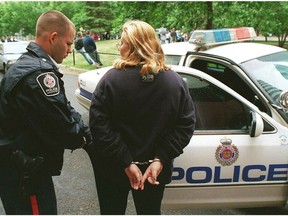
(38, 120)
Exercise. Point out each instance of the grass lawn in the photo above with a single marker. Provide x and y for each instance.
(108, 53)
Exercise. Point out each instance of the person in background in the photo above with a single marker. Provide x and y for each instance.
(141, 117)
(91, 48)
(37, 122)
(79, 47)
(173, 35)
(95, 36)
(168, 37)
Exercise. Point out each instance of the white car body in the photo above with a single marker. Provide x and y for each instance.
(238, 155)
(87, 83)
(10, 52)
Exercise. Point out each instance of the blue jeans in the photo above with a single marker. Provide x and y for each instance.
(86, 56)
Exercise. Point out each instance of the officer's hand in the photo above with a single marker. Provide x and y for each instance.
(88, 136)
(87, 139)
(89, 147)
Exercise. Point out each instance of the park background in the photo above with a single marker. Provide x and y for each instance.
(269, 18)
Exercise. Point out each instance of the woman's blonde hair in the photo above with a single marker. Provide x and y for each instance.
(145, 48)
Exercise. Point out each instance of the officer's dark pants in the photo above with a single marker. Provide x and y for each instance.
(113, 195)
(40, 200)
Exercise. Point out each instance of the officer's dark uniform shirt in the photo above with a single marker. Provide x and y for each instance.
(136, 119)
(34, 107)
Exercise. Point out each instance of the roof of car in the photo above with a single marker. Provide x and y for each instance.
(179, 48)
(238, 52)
(243, 51)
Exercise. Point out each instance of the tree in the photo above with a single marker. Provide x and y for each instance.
(235, 14)
(265, 17)
(22, 16)
(273, 19)
(209, 24)
(14, 17)
(100, 16)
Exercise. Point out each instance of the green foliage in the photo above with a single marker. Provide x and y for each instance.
(267, 17)
(12, 17)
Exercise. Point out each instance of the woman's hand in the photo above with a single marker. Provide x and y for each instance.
(152, 173)
(135, 176)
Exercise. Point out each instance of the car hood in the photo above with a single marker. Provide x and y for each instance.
(89, 80)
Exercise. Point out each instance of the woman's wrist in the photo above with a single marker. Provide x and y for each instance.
(157, 159)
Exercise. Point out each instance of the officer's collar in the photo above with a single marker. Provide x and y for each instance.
(54, 62)
(40, 53)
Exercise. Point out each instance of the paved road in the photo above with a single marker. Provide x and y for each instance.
(75, 188)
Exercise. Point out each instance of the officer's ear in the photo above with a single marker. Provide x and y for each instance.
(53, 37)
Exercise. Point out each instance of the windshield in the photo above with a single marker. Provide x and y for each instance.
(270, 73)
(172, 59)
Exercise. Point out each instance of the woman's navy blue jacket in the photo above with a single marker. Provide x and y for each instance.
(135, 118)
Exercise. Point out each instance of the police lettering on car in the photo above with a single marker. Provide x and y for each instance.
(273, 172)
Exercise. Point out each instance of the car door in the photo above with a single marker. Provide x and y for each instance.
(224, 163)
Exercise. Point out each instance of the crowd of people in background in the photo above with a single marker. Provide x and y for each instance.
(104, 36)
(8, 39)
(79, 47)
(165, 35)
(172, 36)
(87, 47)
(91, 55)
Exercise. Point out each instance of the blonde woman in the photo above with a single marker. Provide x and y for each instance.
(141, 118)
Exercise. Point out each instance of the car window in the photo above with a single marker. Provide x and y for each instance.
(270, 70)
(283, 69)
(230, 78)
(172, 59)
(216, 109)
(270, 74)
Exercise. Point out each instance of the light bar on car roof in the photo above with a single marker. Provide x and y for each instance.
(218, 36)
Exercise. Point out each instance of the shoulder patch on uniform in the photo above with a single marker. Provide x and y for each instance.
(49, 83)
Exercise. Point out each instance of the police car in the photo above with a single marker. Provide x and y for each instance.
(238, 156)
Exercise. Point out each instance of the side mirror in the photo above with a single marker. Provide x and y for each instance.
(284, 99)
(257, 125)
